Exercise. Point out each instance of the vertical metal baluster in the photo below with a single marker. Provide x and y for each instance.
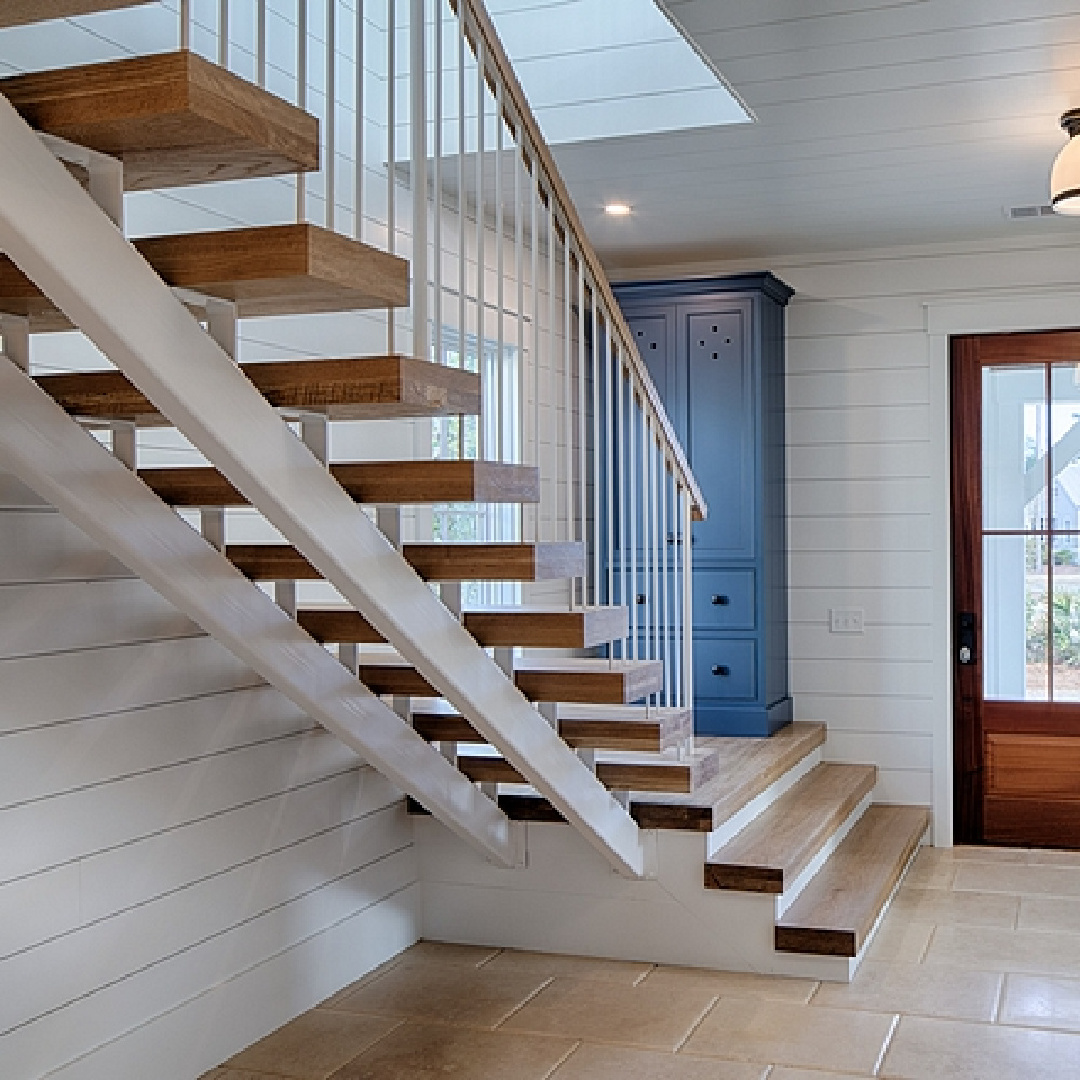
(567, 398)
(185, 24)
(581, 425)
(676, 579)
(613, 454)
(552, 399)
(463, 264)
(301, 96)
(654, 530)
(260, 42)
(519, 272)
(391, 149)
(418, 175)
(625, 598)
(688, 601)
(437, 201)
(500, 278)
(631, 460)
(358, 135)
(534, 252)
(597, 500)
(331, 112)
(223, 33)
(665, 622)
(646, 532)
(482, 440)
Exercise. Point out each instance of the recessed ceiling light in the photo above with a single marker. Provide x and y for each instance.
(617, 209)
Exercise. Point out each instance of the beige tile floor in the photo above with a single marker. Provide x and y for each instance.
(974, 975)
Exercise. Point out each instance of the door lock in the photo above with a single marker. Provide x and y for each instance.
(965, 638)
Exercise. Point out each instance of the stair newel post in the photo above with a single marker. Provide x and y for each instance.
(688, 598)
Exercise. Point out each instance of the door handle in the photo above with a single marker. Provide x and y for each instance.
(965, 638)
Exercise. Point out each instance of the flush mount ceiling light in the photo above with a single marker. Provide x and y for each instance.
(1065, 175)
(620, 209)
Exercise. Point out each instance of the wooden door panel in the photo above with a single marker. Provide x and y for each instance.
(1031, 766)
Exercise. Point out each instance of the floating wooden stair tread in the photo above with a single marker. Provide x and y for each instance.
(172, 118)
(367, 388)
(620, 772)
(495, 627)
(435, 562)
(266, 270)
(597, 727)
(23, 12)
(369, 482)
(746, 768)
(771, 852)
(834, 915)
(599, 681)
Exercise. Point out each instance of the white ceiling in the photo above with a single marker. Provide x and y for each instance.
(879, 122)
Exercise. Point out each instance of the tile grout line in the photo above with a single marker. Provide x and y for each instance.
(644, 975)
(879, 1064)
(696, 1024)
(521, 1004)
(926, 948)
(996, 1016)
(564, 1059)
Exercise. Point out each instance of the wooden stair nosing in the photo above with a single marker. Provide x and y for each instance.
(365, 388)
(172, 118)
(396, 482)
(576, 683)
(25, 12)
(836, 912)
(265, 270)
(747, 767)
(433, 562)
(770, 853)
(640, 733)
(644, 775)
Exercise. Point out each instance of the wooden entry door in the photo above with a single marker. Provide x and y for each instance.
(1016, 587)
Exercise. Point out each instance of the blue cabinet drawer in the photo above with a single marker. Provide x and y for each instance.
(724, 599)
(725, 669)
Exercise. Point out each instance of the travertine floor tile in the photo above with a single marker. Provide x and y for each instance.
(1018, 880)
(237, 1074)
(439, 953)
(913, 904)
(900, 942)
(955, 1050)
(977, 853)
(1054, 858)
(782, 1072)
(312, 1046)
(657, 1018)
(803, 1035)
(920, 990)
(1042, 1001)
(592, 1062)
(734, 983)
(419, 1051)
(933, 868)
(990, 949)
(581, 967)
(451, 994)
(1057, 915)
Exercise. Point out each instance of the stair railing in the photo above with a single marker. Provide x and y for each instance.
(430, 150)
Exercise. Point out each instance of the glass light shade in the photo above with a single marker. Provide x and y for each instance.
(1065, 179)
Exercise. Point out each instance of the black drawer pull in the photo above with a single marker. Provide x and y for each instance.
(722, 670)
(640, 598)
(720, 600)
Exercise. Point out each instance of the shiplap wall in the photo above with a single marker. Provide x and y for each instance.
(186, 862)
(867, 483)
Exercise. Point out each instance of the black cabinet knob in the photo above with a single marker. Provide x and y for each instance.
(722, 670)
(640, 598)
(720, 600)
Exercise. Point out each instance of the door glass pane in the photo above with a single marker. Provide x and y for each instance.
(1066, 586)
(1016, 581)
(1014, 447)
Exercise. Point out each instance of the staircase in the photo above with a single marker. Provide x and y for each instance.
(504, 722)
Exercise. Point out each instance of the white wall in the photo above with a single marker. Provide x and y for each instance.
(868, 479)
(185, 860)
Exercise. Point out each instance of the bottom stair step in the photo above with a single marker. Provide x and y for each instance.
(834, 915)
(770, 853)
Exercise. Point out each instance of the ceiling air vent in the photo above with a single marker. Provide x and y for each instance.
(1024, 213)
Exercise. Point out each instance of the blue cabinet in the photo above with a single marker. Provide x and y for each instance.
(715, 349)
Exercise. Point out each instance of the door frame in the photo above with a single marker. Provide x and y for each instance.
(1003, 312)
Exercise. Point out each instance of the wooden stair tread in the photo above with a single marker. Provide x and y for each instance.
(431, 481)
(771, 852)
(366, 388)
(834, 915)
(746, 768)
(265, 270)
(635, 729)
(24, 12)
(503, 627)
(434, 562)
(620, 772)
(172, 118)
(601, 681)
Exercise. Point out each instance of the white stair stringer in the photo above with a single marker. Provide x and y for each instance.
(64, 243)
(51, 453)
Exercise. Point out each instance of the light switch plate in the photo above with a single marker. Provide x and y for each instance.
(846, 620)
